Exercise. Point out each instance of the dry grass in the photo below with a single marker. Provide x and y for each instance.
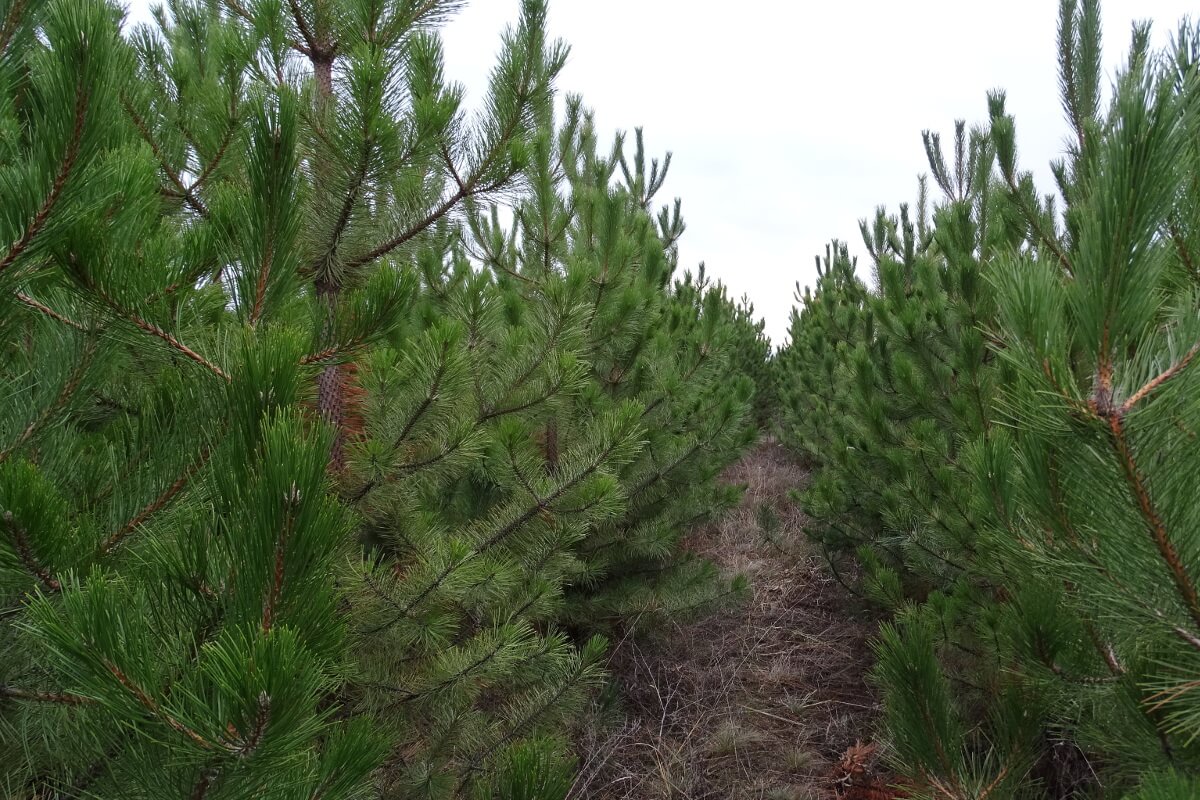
(756, 701)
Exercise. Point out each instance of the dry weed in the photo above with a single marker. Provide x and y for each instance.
(756, 701)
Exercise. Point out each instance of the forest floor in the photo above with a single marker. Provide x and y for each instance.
(764, 699)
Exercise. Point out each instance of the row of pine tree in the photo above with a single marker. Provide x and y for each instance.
(338, 423)
(1005, 428)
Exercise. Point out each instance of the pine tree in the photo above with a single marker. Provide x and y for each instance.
(814, 387)
(1010, 463)
(170, 624)
(316, 478)
(1096, 488)
(506, 455)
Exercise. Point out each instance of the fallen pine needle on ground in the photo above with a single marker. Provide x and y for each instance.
(764, 699)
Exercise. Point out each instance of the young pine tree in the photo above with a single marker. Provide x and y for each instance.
(167, 537)
(1094, 487)
(1021, 405)
(305, 465)
(504, 469)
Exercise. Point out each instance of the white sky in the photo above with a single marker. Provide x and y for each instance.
(790, 121)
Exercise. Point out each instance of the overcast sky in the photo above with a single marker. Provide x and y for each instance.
(789, 121)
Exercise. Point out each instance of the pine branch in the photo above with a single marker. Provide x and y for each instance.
(211, 166)
(462, 186)
(421, 13)
(340, 351)
(1181, 248)
(157, 504)
(687, 378)
(1187, 636)
(35, 696)
(485, 416)
(110, 486)
(954, 502)
(189, 280)
(435, 387)
(1068, 42)
(553, 390)
(171, 341)
(20, 540)
(518, 727)
(145, 326)
(1105, 649)
(61, 400)
(539, 505)
(324, 263)
(369, 580)
(328, 354)
(683, 610)
(481, 661)
(185, 193)
(310, 41)
(520, 612)
(11, 21)
(550, 444)
(406, 468)
(96, 770)
(1153, 518)
(65, 168)
(260, 289)
(1153, 384)
(249, 742)
(42, 308)
(1077, 407)
(1031, 218)
(468, 189)
(659, 474)
(1062, 674)
(495, 264)
(542, 504)
(521, 479)
(291, 504)
(153, 707)
(429, 220)
(546, 351)
(241, 11)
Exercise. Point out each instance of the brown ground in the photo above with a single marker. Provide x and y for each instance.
(759, 700)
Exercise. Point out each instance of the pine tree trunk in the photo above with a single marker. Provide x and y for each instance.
(331, 399)
(331, 395)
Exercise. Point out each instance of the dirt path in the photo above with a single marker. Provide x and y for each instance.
(761, 700)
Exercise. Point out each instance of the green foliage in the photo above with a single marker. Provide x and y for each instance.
(1004, 429)
(534, 770)
(318, 476)
(1168, 786)
(920, 715)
